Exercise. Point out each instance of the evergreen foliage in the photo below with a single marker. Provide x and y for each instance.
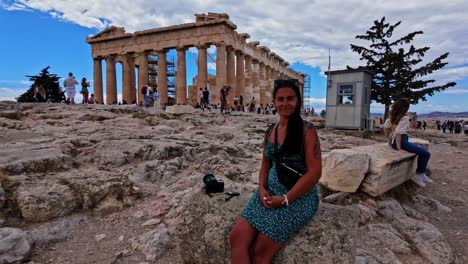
(49, 81)
(397, 73)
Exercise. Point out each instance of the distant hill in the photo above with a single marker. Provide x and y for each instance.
(376, 114)
(437, 115)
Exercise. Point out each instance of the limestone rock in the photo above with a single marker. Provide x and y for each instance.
(389, 237)
(329, 237)
(151, 222)
(180, 109)
(20, 158)
(154, 243)
(366, 214)
(344, 170)
(54, 231)
(100, 237)
(41, 202)
(425, 237)
(14, 245)
(387, 168)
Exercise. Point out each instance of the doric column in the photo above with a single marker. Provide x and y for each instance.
(220, 71)
(111, 81)
(128, 68)
(162, 76)
(181, 77)
(142, 75)
(262, 78)
(98, 80)
(240, 74)
(268, 80)
(202, 67)
(248, 79)
(133, 83)
(231, 70)
(255, 81)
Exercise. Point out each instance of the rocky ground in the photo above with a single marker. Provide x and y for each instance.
(111, 184)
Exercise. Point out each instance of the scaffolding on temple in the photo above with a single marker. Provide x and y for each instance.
(171, 72)
(307, 91)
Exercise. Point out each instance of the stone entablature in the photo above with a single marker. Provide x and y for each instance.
(210, 29)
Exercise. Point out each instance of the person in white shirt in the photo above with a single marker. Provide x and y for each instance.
(396, 130)
(69, 84)
(156, 98)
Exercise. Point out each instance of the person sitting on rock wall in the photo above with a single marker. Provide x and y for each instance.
(282, 204)
(399, 124)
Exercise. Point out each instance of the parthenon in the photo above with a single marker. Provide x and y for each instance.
(245, 66)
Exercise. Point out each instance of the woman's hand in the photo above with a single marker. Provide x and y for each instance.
(403, 151)
(264, 195)
(275, 201)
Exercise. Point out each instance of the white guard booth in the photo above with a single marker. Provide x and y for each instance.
(348, 99)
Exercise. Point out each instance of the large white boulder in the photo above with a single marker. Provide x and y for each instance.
(344, 170)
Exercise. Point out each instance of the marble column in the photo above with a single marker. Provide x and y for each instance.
(248, 79)
(128, 66)
(240, 74)
(262, 78)
(111, 81)
(231, 70)
(142, 75)
(162, 77)
(255, 81)
(181, 77)
(202, 67)
(98, 80)
(221, 79)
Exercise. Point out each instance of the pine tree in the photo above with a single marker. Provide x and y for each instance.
(397, 73)
(49, 81)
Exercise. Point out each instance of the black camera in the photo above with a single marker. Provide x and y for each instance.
(212, 185)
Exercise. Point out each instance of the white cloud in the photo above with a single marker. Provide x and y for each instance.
(455, 91)
(16, 82)
(297, 30)
(10, 94)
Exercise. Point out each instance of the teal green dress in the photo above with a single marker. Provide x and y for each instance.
(280, 224)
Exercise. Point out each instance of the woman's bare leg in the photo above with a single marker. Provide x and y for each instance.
(265, 249)
(241, 238)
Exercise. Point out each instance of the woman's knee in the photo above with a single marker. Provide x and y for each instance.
(241, 235)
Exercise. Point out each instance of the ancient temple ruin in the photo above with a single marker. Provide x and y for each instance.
(245, 66)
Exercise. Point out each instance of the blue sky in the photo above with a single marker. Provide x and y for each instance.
(40, 33)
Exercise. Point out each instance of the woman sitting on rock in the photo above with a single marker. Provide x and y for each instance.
(281, 205)
(399, 123)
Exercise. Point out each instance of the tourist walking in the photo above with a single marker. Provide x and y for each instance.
(241, 103)
(69, 84)
(145, 91)
(450, 126)
(252, 105)
(223, 98)
(444, 127)
(206, 98)
(399, 124)
(281, 205)
(84, 90)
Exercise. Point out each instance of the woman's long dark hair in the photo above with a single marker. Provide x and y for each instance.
(293, 142)
(398, 111)
(83, 82)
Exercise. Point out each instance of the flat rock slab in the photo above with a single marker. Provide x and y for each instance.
(202, 236)
(387, 168)
(180, 109)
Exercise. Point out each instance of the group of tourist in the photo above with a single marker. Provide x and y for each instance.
(454, 127)
(70, 90)
(40, 94)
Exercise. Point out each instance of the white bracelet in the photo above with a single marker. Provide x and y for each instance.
(285, 200)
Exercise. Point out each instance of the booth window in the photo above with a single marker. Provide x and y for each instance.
(346, 94)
